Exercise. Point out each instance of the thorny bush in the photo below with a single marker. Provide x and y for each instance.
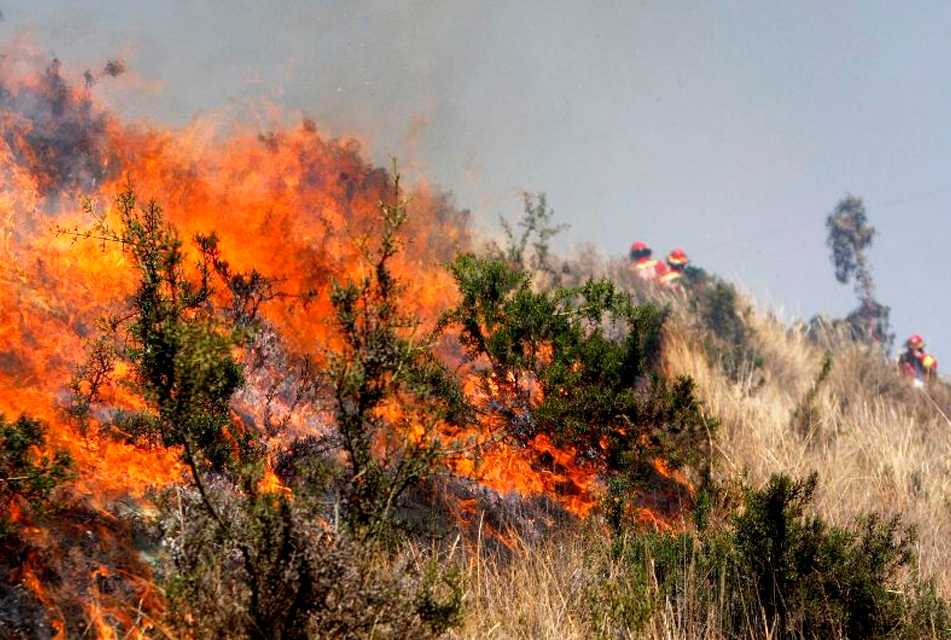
(579, 365)
(773, 570)
(29, 472)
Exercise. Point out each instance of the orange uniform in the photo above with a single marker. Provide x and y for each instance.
(676, 263)
(671, 278)
(915, 363)
(647, 268)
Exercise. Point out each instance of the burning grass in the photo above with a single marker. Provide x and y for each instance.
(318, 402)
(284, 223)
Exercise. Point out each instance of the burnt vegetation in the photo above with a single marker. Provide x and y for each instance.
(325, 555)
(274, 533)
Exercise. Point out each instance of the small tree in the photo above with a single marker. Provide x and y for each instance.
(850, 235)
(529, 250)
(391, 395)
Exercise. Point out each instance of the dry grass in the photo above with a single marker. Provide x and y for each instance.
(877, 444)
(565, 589)
(532, 595)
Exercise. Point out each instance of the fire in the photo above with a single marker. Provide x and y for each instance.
(289, 202)
(541, 469)
(30, 581)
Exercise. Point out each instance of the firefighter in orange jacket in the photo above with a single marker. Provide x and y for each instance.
(646, 267)
(676, 263)
(917, 364)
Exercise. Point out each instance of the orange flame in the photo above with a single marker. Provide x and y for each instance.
(288, 202)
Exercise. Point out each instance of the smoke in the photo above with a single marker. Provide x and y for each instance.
(55, 131)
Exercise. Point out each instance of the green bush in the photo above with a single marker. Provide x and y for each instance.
(775, 568)
(579, 365)
(27, 471)
(728, 341)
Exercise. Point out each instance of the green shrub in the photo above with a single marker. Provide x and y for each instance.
(820, 580)
(775, 569)
(28, 471)
(728, 341)
(579, 365)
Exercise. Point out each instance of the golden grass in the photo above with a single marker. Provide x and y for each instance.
(877, 445)
(559, 590)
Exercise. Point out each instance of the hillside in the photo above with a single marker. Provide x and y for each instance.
(877, 444)
(251, 386)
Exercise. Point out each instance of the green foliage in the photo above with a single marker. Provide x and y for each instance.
(578, 365)
(729, 342)
(850, 235)
(816, 579)
(175, 338)
(27, 470)
(775, 570)
(391, 394)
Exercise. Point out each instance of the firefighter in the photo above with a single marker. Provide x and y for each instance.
(915, 363)
(647, 268)
(676, 263)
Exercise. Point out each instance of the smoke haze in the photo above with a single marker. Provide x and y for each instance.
(730, 130)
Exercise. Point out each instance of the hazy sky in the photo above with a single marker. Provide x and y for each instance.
(730, 129)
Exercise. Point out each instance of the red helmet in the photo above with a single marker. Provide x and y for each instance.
(677, 257)
(915, 341)
(638, 246)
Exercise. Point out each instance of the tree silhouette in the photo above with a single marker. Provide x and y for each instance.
(850, 234)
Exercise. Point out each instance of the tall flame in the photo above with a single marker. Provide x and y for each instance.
(288, 202)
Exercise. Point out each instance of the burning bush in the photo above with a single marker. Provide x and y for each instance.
(28, 473)
(247, 561)
(393, 399)
(173, 338)
(577, 366)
